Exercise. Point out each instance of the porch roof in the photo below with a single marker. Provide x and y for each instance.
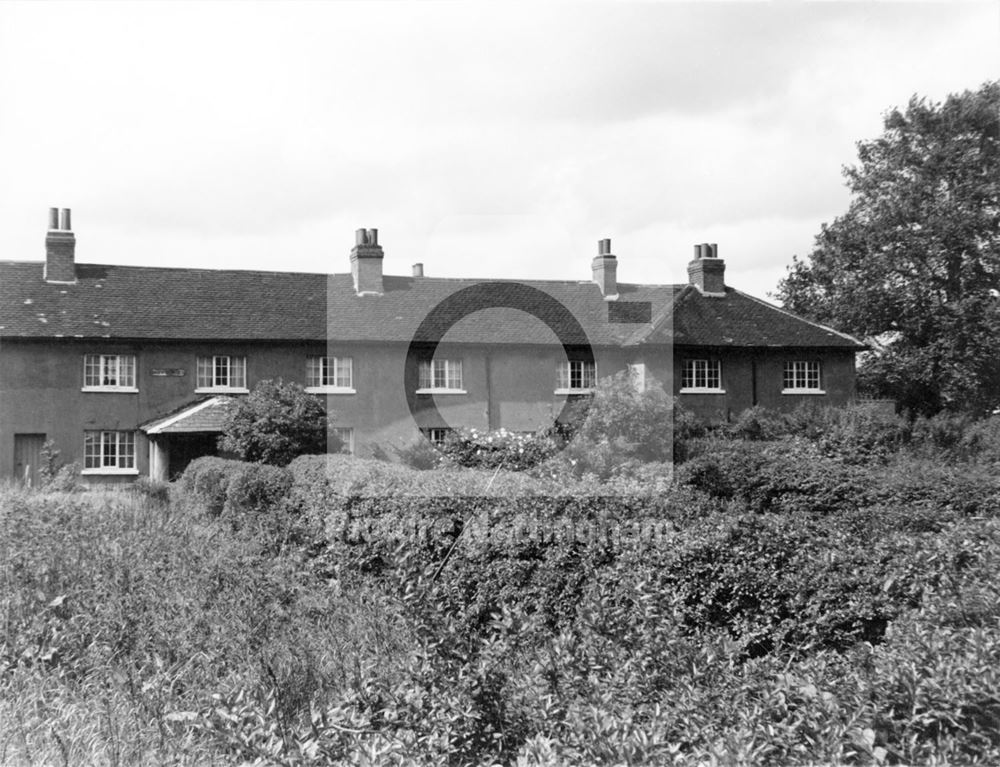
(206, 415)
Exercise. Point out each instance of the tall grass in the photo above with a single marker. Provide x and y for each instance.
(120, 615)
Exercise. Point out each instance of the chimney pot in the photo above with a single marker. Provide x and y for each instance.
(418, 270)
(605, 269)
(366, 262)
(60, 249)
(707, 271)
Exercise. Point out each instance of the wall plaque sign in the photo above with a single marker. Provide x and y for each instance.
(168, 372)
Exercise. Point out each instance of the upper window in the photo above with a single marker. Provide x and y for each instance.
(109, 372)
(440, 376)
(701, 375)
(802, 376)
(576, 376)
(109, 452)
(222, 372)
(323, 373)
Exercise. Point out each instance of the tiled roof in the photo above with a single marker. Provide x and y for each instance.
(204, 415)
(739, 320)
(190, 304)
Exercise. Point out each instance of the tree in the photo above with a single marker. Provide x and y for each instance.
(914, 265)
(276, 423)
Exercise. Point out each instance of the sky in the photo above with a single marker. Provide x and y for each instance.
(482, 139)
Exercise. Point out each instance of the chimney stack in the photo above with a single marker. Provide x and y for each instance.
(707, 271)
(418, 270)
(605, 270)
(366, 263)
(60, 248)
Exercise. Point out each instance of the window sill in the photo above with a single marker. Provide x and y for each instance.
(573, 391)
(331, 390)
(221, 390)
(441, 391)
(110, 472)
(803, 391)
(696, 390)
(112, 389)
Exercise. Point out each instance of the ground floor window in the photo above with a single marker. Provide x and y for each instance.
(109, 450)
(802, 375)
(701, 375)
(437, 436)
(346, 436)
(576, 375)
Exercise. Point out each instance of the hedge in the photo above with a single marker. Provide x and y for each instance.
(235, 488)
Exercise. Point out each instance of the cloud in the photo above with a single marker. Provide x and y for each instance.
(264, 134)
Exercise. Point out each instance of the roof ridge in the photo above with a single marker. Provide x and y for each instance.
(201, 269)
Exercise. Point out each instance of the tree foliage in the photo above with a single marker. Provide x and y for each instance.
(275, 424)
(913, 266)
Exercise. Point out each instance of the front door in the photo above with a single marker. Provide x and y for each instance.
(28, 458)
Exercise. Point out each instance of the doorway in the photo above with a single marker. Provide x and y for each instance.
(184, 448)
(28, 458)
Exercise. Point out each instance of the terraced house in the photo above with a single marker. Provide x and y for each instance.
(128, 370)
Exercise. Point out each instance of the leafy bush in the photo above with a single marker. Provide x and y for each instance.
(205, 482)
(622, 428)
(419, 454)
(66, 480)
(256, 488)
(50, 463)
(863, 434)
(276, 423)
(981, 441)
(789, 475)
(500, 448)
(758, 423)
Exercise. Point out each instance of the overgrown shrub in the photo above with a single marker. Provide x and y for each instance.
(623, 427)
(788, 475)
(256, 488)
(275, 423)
(500, 448)
(205, 482)
(66, 480)
(418, 454)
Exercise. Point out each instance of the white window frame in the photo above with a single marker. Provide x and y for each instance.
(115, 452)
(436, 435)
(98, 368)
(346, 434)
(576, 377)
(698, 375)
(207, 371)
(329, 375)
(806, 377)
(441, 376)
